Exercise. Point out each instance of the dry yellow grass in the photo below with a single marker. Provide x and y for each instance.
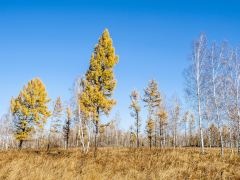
(118, 164)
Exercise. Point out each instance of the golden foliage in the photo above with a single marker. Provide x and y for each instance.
(152, 97)
(135, 101)
(100, 82)
(30, 108)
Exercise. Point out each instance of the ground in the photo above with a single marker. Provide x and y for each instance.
(119, 163)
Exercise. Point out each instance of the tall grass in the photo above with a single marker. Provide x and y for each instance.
(118, 164)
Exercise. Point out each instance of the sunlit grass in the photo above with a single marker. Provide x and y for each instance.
(119, 163)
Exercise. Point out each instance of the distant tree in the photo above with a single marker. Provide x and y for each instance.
(100, 82)
(162, 115)
(214, 134)
(175, 116)
(135, 107)
(57, 114)
(102, 129)
(29, 109)
(185, 120)
(56, 121)
(150, 130)
(191, 126)
(133, 137)
(66, 127)
(152, 98)
(81, 119)
(6, 131)
(232, 94)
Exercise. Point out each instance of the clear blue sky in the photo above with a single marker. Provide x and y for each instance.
(53, 40)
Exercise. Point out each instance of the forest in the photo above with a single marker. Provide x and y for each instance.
(48, 139)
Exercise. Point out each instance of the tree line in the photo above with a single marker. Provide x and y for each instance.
(212, 119)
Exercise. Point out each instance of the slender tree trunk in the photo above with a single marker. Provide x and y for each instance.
(150, 141)
(160, 133)
(200, 121)
(238, 137)
(155, 134)
(210, 138)
(175, 134)
(186, 134)
(137, 129)
(96, 139)
(200, 126)
(221, 141)
(20, 144)
(198, 74)
(67, 143)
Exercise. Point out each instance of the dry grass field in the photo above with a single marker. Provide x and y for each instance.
(118, 164)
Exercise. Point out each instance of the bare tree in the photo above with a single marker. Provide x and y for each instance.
(194, 77)
(152, 98)
(215, 85)
(83, 120)
(185, 120)
(175, 115)
(234, 79)
(135, 107)
(66, 127)
(6, 131)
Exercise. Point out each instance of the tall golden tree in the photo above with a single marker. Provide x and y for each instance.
(29, 109)
(100, 82)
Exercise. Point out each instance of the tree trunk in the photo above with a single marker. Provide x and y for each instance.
(200, 124)
(210, 139)
(155, 134)
(221, 141)
(20, 144)
(95, 139)
(238, 137)
(150, 142)
(160, 133)
(137, 130)
(186, 134)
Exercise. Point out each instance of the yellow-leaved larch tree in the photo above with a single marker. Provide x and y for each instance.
(30, 109)
(100, 82)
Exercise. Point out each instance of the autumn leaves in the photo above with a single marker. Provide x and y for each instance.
(30, 107)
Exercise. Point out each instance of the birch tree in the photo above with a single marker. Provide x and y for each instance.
(234, 78)
(82, 119)
(194, 78)
(216, 57)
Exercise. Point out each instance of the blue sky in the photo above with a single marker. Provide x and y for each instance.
(53, 40)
